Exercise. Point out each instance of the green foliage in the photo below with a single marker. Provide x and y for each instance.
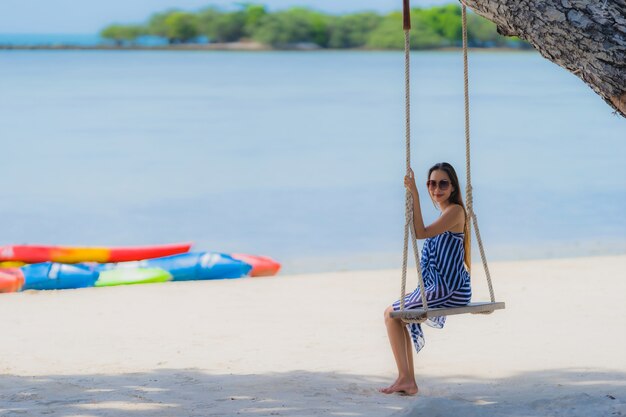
(174, 25)
(122, 33)
(482, 32)
(253, 14)
(352, 31)
(293, 26)
(433, 27)
(221, 27)
(181, 27)
(156, 24)
(445, 21)
(423, 34)
(389, 34)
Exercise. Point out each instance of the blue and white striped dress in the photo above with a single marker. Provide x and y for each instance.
(446, 281)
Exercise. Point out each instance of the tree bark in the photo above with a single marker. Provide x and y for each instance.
(586, 37)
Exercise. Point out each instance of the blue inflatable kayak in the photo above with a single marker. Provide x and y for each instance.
(54, 276)
(190, 266)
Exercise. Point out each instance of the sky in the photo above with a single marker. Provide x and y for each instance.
(89, 16)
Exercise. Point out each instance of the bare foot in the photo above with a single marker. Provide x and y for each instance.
(387, 390)
(404, 386)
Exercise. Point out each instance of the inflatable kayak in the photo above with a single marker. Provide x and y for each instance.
(35, 254)
(11, 280)
(188, 266)
(11, 264)
(262, 266)
(128, 276)
(53, 276)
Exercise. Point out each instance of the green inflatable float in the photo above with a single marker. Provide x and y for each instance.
(122, 276)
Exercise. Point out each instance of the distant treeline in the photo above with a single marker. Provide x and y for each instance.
(434, 27)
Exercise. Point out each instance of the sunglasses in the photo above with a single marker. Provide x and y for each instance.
(443, 184)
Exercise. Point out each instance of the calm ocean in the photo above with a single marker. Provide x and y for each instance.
(299, 155)
(42, 39)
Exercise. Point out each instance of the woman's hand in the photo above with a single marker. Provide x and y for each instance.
(409, 182)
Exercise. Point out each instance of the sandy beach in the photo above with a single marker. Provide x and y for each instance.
(315, 345)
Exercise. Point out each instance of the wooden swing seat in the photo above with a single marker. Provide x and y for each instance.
(471, 308)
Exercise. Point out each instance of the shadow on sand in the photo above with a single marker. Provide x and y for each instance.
(194, 393)
(552, 393)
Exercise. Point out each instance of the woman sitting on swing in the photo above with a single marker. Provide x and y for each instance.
(444, 264)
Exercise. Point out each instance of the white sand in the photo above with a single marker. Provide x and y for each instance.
(315, 345)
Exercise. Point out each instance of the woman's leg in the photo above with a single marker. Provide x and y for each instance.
(400, 342)
(397, 335)
(409, 352)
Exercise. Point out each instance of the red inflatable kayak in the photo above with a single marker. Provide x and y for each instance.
(11, 279)
(64, 254)
(262, 266)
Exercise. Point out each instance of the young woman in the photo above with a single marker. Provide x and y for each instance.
(445, 258)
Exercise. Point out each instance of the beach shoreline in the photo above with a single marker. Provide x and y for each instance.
(315, 345)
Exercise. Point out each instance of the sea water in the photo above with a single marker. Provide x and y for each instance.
(47, 39)
(300, 155)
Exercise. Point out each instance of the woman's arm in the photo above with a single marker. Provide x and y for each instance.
(452, 216)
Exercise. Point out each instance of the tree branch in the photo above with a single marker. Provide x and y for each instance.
(586, 37)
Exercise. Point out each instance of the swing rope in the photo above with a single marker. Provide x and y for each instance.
(409, 228)
(408, 225)
(469, 196)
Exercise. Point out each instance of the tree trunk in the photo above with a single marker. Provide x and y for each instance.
(586, 37)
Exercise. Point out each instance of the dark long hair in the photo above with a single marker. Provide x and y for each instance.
(456, 198)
